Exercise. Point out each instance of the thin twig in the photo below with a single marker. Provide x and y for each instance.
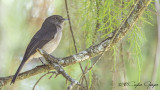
(90, 68)
(70, 26)
(41, 78)
(74, 39)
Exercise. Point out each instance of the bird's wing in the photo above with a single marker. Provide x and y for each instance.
(43, 36)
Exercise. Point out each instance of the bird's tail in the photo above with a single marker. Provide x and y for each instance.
(17, 72)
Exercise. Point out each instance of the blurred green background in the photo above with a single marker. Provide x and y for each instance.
(21, 19)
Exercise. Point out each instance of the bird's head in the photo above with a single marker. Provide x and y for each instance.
(55, 19)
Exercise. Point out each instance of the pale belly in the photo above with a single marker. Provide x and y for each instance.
(52, 45)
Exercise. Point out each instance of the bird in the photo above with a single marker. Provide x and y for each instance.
(47, 38)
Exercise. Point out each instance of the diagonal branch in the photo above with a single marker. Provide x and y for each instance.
(91, 51)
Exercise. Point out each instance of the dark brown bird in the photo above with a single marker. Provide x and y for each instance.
(47, 38)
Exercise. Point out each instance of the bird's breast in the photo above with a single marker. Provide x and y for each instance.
(52, 44)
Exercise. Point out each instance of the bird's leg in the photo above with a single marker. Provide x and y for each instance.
(42, 61)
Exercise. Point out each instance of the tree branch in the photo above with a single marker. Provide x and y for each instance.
(92, 51)
(56, 63)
